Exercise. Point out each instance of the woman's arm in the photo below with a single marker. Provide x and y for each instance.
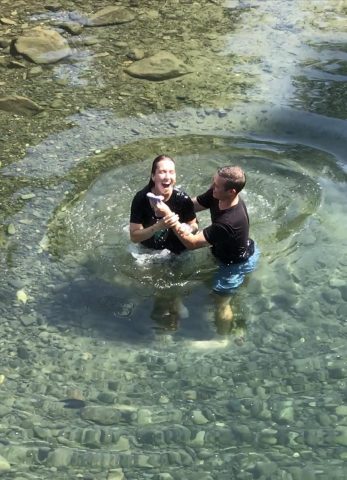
(139, 234)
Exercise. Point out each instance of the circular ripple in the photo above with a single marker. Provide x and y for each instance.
(280, 195)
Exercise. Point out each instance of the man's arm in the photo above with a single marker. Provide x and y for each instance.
(197, 206)
(191, 241)
(193, 225)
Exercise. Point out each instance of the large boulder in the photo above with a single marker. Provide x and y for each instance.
(161, 66)
(42, 45)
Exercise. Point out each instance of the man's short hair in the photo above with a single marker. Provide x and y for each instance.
(235, 176)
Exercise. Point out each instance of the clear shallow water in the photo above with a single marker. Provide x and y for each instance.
(167, 396)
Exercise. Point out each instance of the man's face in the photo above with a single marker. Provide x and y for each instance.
(218, 186)
(164, 178)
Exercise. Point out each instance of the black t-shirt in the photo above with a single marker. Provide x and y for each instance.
(228, 233)
(142, 212)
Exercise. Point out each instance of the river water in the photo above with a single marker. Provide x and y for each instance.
(101, 378)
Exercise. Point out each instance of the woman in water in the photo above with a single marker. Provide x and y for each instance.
(147, 226)
(153, 230)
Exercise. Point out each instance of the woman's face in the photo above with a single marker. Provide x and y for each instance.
(164, 178)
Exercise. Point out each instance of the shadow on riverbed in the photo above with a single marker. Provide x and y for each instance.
(98, 308)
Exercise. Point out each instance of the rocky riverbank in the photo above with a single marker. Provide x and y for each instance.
(58, 58)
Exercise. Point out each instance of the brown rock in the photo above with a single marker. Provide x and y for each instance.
(7, 21)
(19, 105)
(43, 45)
(161, 66)
(111, 16)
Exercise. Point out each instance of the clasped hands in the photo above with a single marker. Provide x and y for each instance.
(170, 219)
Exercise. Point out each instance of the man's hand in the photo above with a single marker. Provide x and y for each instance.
(183, 229)
(169, 221)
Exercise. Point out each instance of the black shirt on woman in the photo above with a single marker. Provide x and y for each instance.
(142, 212)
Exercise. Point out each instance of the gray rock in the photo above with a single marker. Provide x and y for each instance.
(171, 366)
(101, 415)
(28, 319)
(27, 196)
(163, 476)
(91, 438)
(161, 66)
(106, 397)
(60, 457)
(243, 432)
(284, 412)
(341, 438)
(23, 353)
(267, 469)
(199, 418)
(35, 72)
(144, 416)
(116, 474)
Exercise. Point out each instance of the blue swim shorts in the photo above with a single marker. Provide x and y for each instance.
(229, 277)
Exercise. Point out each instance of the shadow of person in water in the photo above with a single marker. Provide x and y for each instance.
(168, 311)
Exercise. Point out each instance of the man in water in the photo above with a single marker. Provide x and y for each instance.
(228, 235)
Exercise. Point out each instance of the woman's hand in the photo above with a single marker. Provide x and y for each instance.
(162, 210)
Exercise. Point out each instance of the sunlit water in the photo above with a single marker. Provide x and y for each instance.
(170, 394)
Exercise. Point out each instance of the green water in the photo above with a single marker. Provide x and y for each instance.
(100, 377)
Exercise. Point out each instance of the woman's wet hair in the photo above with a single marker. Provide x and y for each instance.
(235, 177)
(157, 159)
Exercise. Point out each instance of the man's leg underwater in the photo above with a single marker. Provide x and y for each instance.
(223, 313)
(226, 281)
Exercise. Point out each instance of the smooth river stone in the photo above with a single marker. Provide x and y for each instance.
(199, 418)
(4, 465)
(43, 45)
(101, 415)
(161, 66)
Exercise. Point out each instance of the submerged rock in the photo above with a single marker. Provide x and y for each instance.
(4, 465)
(43, 45)
(161, 66)
(101, 415)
